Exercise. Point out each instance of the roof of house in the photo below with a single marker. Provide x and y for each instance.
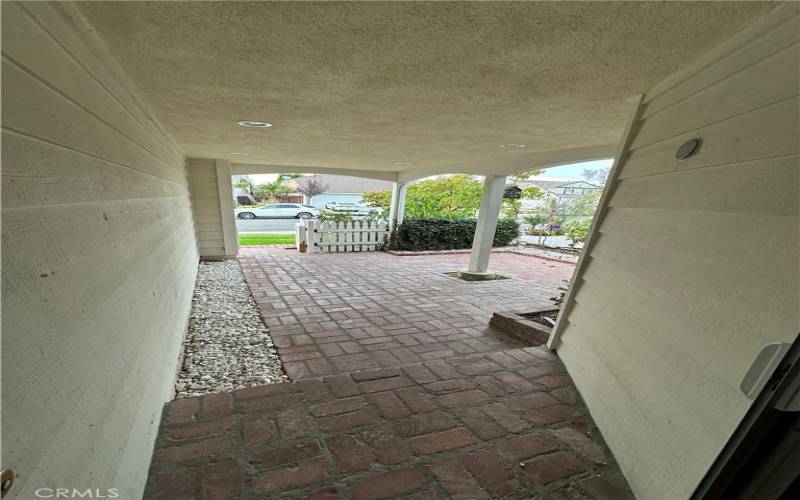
(346, 184)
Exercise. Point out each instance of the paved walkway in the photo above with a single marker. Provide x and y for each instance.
(483, 418)
(340, 313)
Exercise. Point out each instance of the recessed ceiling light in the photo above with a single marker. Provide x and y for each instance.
(402, 163)
(254, 124)
(238, 154)
(513, 146)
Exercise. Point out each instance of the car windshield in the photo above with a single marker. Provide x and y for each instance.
(348, 204)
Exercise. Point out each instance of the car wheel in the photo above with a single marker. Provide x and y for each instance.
(304, 215)
(247, 215)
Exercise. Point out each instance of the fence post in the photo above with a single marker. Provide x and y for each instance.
(311, 236)
(299, 234)
(382, 233)
(348, 236)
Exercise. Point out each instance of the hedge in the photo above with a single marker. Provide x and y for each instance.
(445, 234)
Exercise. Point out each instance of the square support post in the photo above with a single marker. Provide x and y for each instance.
(489, 211)
(398, 204)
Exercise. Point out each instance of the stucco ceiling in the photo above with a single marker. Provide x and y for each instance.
(368, 85)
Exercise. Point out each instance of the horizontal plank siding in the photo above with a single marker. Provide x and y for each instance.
(769, 81)
(767, 132)
(207, 207)
(695, 265)
(99, 260)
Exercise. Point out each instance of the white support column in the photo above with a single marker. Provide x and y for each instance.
(230, 233)
(488, 214)
(398, 204)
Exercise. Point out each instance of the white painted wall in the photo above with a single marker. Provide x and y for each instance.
(695, 266)
(99, 261)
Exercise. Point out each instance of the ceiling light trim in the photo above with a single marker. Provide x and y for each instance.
(254, 124)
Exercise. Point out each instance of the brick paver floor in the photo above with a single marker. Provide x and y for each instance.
(339, 313)
(486, 418)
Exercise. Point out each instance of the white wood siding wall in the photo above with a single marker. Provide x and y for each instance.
(695, 266)
(99, 261)
(206, 206)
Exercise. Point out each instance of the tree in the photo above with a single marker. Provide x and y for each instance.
(577, 230)
(525, 174)
(271, 190)
(245, 183)
(581, 207)
(378, 199)
(596, 175)
(311, 187)
(453, 197)
(533, 220)
(533, 193)
(511, 208)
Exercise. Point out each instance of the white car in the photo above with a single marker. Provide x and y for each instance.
(278, 210)
(353, 208)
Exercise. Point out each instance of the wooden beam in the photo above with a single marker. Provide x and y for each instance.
(514, 163)
(599, 215)
(255, 168)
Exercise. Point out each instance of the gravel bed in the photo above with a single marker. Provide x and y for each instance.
(227, 346)
(543, 253)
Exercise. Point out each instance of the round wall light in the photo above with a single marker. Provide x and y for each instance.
(513, 146)
(254, 124)
(689, 148)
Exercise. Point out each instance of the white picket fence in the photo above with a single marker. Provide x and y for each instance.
(351, 236)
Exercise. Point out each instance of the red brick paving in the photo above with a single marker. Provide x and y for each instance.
(391, 436)
(341, 313)
(497, 421)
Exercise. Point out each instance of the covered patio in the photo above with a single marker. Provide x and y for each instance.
(399, 389)
(122, 123)
(341, 313)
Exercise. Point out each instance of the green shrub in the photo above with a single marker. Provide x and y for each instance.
(331, 216)
(577, 230)
(444, 234)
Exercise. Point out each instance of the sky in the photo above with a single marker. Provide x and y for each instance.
(575, 170)
(572, 171)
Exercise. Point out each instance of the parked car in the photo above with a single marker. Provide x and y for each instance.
(278, 210)
(353, 208)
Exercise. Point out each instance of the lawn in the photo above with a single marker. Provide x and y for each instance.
(266, 239)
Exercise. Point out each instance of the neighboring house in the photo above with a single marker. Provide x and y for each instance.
(341, 188)
(243, 197)
(562, 191)
(295, 196)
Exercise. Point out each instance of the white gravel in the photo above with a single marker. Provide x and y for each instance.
(227, 346)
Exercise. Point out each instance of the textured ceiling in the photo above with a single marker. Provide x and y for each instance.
(366, 85)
